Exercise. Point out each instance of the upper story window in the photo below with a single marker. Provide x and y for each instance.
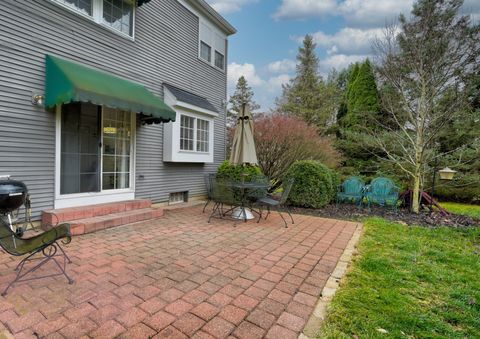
(118, 14)
(84, 6)
(212, 41)
(115, 14)
(205, 51)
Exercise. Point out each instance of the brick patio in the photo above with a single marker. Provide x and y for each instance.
(179, 277)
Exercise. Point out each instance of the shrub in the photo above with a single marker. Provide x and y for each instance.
(237, 172)
(281, 140)
(315, 184)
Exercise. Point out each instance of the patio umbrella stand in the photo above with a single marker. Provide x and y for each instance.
(243, 152)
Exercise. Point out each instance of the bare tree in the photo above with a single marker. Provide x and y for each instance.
(428, 61)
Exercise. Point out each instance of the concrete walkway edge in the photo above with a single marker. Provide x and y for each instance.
(313, 327)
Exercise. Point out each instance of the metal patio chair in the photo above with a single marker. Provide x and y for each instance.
(46, 243)
(223, 194)
(351, 190)
(270, 203)
(383, 192)
(208, 186)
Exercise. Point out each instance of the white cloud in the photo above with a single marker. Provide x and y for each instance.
(274, 84)
(235, 71)
(347, 40)
(282, 66)
(228, 6)
(339, 62)
(371, 13)
(303, 9)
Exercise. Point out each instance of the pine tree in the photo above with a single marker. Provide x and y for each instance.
(243, 95)
(302, 97)
(363, 100)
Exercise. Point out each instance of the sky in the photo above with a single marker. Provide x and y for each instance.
(270, 31)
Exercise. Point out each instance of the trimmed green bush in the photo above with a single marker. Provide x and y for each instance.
(237, 172)
(315, 184)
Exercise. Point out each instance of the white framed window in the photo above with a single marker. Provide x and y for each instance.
(117, 15)
(194, 134)
(212, 45)
(219, 60)
(203, 135)
(205, 51)
(187, 133)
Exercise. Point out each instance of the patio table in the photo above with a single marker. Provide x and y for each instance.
(241, 212)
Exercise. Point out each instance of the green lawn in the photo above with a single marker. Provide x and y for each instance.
(465, 209)
(412, 282)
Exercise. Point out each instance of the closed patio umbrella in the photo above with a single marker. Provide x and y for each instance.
(243, 146)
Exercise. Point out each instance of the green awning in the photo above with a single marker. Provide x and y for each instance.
(68, 81)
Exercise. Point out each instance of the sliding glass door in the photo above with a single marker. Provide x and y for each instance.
(96, 146)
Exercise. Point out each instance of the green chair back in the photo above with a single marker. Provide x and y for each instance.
(353, 186)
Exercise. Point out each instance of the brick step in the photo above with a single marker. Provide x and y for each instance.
(53, 217)
(92, 224)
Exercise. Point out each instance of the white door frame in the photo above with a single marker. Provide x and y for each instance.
(91, 198)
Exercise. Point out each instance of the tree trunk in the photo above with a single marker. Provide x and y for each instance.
(416, 193)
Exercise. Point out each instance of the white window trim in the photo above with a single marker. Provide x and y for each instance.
(212, 44)
(195, 117)
(89, 198)
(171, 132)
(97, 16)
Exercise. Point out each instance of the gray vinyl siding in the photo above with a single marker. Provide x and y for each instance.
(165, 49)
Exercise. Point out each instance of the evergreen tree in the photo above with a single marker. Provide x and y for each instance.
(243, 95)
(363, 105)
(302, 97)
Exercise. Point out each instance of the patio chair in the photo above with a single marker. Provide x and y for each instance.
(383, 192)
(351, 190)
(255, 194)
(208, 186)
(279, 204)
(46, 243)
(223, 195)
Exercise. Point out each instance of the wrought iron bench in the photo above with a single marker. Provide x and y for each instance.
(46, 243)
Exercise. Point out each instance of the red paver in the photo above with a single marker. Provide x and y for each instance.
(233, 314)
(219, 327)
(205, 311)
(247, 330)
(188, 324)
(179, 277)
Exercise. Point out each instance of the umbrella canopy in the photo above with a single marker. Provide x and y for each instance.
(243, 147)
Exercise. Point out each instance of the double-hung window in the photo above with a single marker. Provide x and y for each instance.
(194, 134)
(212, 45)
(117, 15)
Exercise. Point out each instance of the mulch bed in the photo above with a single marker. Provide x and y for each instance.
(401, 215)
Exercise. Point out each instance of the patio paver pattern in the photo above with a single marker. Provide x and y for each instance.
(179, 277)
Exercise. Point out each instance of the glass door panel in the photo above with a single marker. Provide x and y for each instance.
(117, 133)
(80, 151)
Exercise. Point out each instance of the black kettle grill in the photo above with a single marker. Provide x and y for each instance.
(13, 194)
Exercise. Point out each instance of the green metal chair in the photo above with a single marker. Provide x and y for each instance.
(46, 243)
(255, 194)
(223, 194)
(351, 190)
(383, 192)
(279, 204)
(208, 186)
